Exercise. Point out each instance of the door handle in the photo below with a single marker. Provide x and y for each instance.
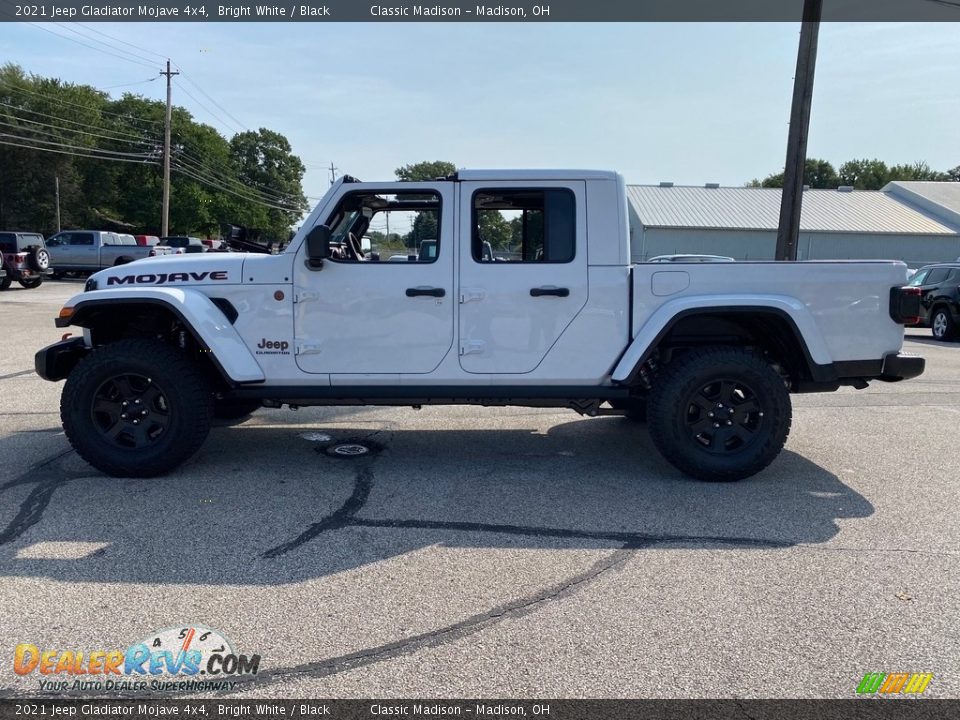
(555, 291)
(429, 291)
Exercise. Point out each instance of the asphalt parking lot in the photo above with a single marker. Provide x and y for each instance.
(495, 552)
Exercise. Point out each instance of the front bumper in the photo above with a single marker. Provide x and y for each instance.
(56, 361)
(901, 366)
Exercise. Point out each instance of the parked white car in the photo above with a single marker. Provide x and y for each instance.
(708, 351)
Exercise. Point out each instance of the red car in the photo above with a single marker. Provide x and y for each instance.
(25, 259)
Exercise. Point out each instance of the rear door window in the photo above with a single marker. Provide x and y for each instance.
(8, 242)
(936, 276)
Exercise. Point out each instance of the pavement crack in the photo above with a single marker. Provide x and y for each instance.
(449, 633)
(643, 539)
(339, 519)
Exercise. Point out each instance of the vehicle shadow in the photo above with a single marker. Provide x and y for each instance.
(274, 505)
(934, 343)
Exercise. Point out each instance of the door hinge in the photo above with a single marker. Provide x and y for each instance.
(308, 347)
(472, 347)
(470, 294)
(306, 296)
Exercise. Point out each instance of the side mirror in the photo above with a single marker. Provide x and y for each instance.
(318, 246)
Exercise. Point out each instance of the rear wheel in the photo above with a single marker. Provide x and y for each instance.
(32, 283)
(136, 408)
(942, 325)
(5, 283)
(719, 414)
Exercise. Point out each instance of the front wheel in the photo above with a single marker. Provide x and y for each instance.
(136, 408)
(719, 414)
(32, 283)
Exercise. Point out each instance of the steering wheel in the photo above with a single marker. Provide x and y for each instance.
(355, 248)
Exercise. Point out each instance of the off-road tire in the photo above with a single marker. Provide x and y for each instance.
(32, 283)
(5, 282)
(180, 385)
(234, 412)
(708, 447)
(945, 326)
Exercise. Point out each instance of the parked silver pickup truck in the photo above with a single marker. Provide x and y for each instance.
(92, 250)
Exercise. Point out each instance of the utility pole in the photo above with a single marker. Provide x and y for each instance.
(165, 218)
(333, 173)
(788, 234)
(56, 192)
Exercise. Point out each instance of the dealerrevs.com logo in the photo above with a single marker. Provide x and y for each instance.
(192, 658)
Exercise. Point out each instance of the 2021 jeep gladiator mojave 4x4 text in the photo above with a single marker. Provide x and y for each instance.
(557, 317)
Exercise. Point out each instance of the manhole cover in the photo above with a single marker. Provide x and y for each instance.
(350, 450)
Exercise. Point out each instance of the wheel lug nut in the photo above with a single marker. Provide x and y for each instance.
(137, 402)
(136, 422)
(123, 416)
(716, 425)
(709, 414)
(729, 422)
(124, 403)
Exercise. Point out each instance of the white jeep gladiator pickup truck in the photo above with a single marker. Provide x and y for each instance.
(557, 316)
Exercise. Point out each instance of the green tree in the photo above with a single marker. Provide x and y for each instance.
(425, 223)
(917, 171)
(265, 160)
(496, 229)
(817, 173)
(864, 174)
(425, 171)
(106, 154)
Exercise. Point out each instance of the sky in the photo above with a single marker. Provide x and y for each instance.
(688, 103)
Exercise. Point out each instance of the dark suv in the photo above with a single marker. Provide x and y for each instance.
(940, 301)
(25, 259)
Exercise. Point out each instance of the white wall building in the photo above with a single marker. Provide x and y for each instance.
(917, 222)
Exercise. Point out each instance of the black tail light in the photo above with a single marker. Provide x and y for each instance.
(905, 305)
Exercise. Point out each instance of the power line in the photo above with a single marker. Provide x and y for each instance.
(92, 47)
(116, 135)
(56, 136)
(75, 147)
(208, 110)
(138, 141)
(124, 42)
(215, 165)
(217, 186)
(250, 193)
(125, 53)
(138, 82)
(144, 160)
(204, 93)
(73, 104)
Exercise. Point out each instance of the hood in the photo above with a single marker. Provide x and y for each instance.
(173, 271)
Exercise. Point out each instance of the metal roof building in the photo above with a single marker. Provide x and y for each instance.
(918, 222)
